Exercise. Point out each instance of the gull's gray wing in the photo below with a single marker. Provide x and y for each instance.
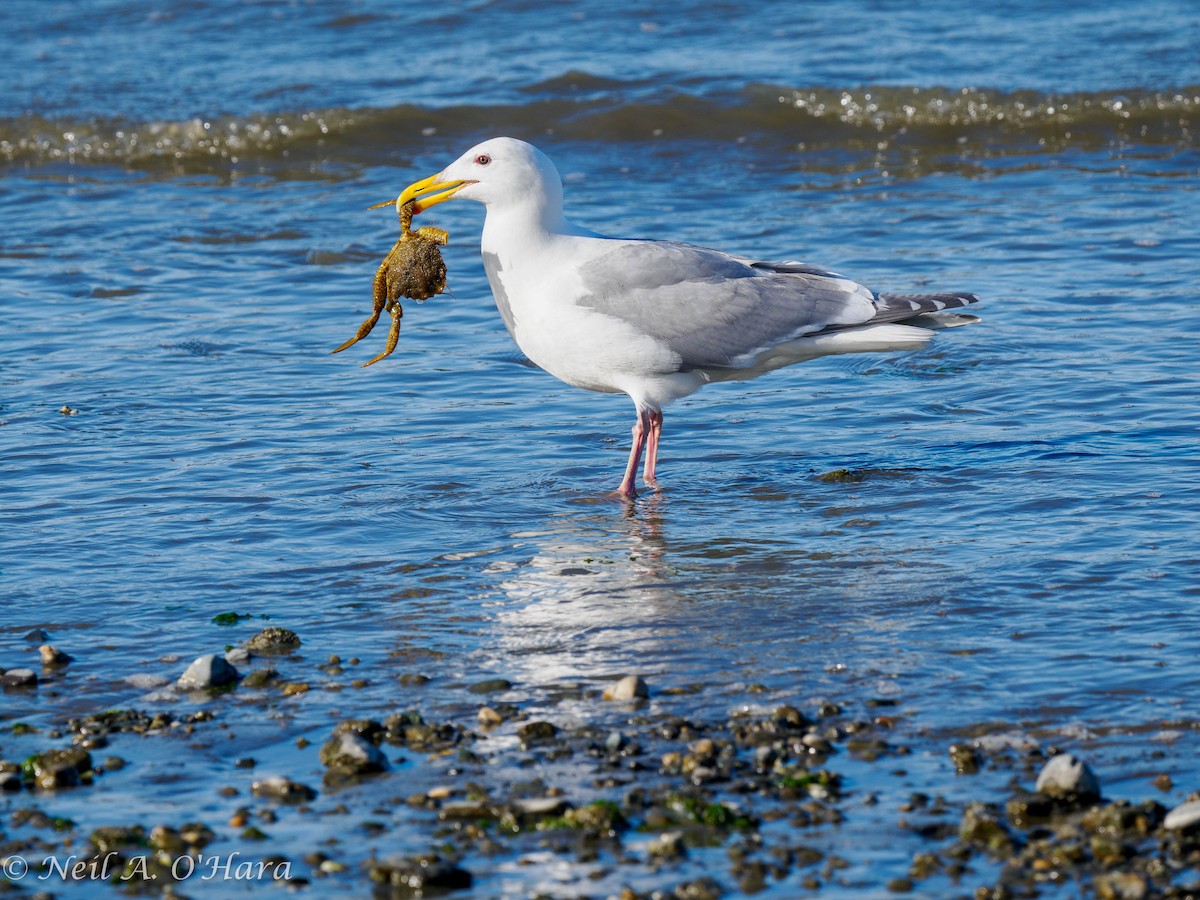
(715, 310)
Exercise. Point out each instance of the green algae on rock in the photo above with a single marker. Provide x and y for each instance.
(55, 769)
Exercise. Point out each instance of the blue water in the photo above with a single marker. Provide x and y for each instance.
(1019, 558)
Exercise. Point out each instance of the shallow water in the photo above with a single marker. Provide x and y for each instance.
(1018, 557)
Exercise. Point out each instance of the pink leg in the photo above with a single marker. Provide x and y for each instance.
(641, 431)
(656, 420)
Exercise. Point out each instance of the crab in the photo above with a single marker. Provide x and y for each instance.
(413, 268)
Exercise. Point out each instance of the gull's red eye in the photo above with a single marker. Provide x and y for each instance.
(482, 159)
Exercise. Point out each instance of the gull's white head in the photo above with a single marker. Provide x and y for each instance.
(501, 173)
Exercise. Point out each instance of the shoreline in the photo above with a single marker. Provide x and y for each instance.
(620, 787)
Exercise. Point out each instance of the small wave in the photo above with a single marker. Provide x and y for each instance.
(926, 121)
(34, 139)
(971, 115)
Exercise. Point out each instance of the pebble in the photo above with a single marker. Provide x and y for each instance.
(984, 828)
(488, 717)
(817, 744)
(417, 877)
(490, 686)
(52, 656)
(701, 889)
(666, 846)
(107, 838)
(274, 640)
(276, 787)
(237, 656)
(60, 768)
(1066, 775)
(790, 717)
(540, 806)
(1184, 817)
(535, 732)
(466, 811)
(352, 753)
(704, 750)
(259, 678)
(19, 678)
(208, 671)
(631, 687)
(826, 709)
(765, 756)
(966, 759)
(1121, 886)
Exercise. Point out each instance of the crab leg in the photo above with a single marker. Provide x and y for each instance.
(380, 299)
(397, 312)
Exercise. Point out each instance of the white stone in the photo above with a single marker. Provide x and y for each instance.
(208, 671)
(630, 687)
(540, 806)
(1184, 816)
(237, 656)
(1067, 775)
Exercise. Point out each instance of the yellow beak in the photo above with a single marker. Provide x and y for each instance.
(426, 193)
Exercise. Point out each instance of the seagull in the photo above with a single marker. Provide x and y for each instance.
(657, 319)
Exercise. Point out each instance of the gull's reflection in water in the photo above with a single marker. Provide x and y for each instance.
(600, 592)
(595, 597)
